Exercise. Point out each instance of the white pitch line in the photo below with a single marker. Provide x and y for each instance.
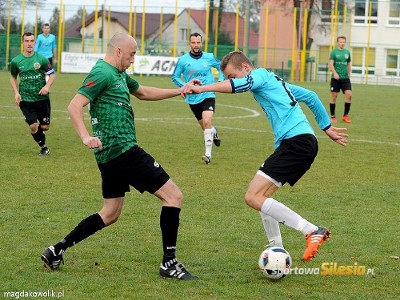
(253, 114)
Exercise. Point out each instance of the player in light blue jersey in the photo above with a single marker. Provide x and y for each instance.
(295, 143)
(46, 44)
(198, 64)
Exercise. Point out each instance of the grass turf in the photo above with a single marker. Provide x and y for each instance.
(353, 190)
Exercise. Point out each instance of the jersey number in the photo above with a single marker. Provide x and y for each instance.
(294, 101)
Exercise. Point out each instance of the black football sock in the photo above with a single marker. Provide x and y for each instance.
(39, 137)
(85, 228)
(346, 108)
(332, 107)
(169, 223)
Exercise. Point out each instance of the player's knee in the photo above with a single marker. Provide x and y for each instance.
(33, 127)
(110, 220)
(109, 217)
(254, 200)
(179, 196)
(207, 124)
(45, 127)
(249, 199)
(176, 199)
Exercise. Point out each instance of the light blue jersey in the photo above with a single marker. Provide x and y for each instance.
(45, 45)
(279, 100)
(200, 68)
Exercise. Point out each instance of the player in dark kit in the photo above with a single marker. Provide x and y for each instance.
(121, 161)
(32, 93)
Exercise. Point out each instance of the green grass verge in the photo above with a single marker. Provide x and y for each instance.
(352, 190)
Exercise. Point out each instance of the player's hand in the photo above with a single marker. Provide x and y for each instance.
(195, 81)
(183, 95)
(44, 91)
(192, 87)
(336, 76)
(92, 142)
(337, 135)
(17, 99)
(54, 61)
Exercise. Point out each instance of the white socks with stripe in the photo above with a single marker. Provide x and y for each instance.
(271, 227)
(283, 214)
(208, 140)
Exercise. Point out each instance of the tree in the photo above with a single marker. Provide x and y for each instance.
(15, 27)
(220, 9)
(254, 10)
(54, 19)
(15, 6)
(39, 24)
(77, 18)
(223, 38)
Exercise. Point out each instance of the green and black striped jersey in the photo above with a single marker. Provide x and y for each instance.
(111, 112)
(340, 60)
(32, 72)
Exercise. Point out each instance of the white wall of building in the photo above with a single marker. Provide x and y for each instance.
(379, 37)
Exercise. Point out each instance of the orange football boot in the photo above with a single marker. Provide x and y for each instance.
(314, 241)
(346, 119)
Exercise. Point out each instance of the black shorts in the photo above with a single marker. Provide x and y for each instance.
(134, 167)
(291, 159)
(207, 105)
(50, 60)
(340, 84)
(36, 111)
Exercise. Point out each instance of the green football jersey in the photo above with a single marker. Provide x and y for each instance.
(111, 112)
(32, 75)
(340, 60)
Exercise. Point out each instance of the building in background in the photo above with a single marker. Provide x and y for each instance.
(372, 29)
(159, 33)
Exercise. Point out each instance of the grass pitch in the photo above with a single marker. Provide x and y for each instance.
(353, 190)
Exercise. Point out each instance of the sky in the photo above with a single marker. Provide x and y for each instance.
(72, 6)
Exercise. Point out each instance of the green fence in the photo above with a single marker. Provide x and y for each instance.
(14, 48)
(278, 60)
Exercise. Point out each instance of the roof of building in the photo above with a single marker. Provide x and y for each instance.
(152, 21)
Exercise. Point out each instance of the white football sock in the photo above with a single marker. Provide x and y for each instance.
(285, 215)
(214, 131)
(208, 140)
(272, 230)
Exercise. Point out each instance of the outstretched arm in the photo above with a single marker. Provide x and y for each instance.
(194, 87)
(312, 101)
(150, 93)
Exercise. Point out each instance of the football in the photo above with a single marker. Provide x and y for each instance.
(275, 262)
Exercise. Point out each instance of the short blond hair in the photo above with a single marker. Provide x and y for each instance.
(235, 58)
